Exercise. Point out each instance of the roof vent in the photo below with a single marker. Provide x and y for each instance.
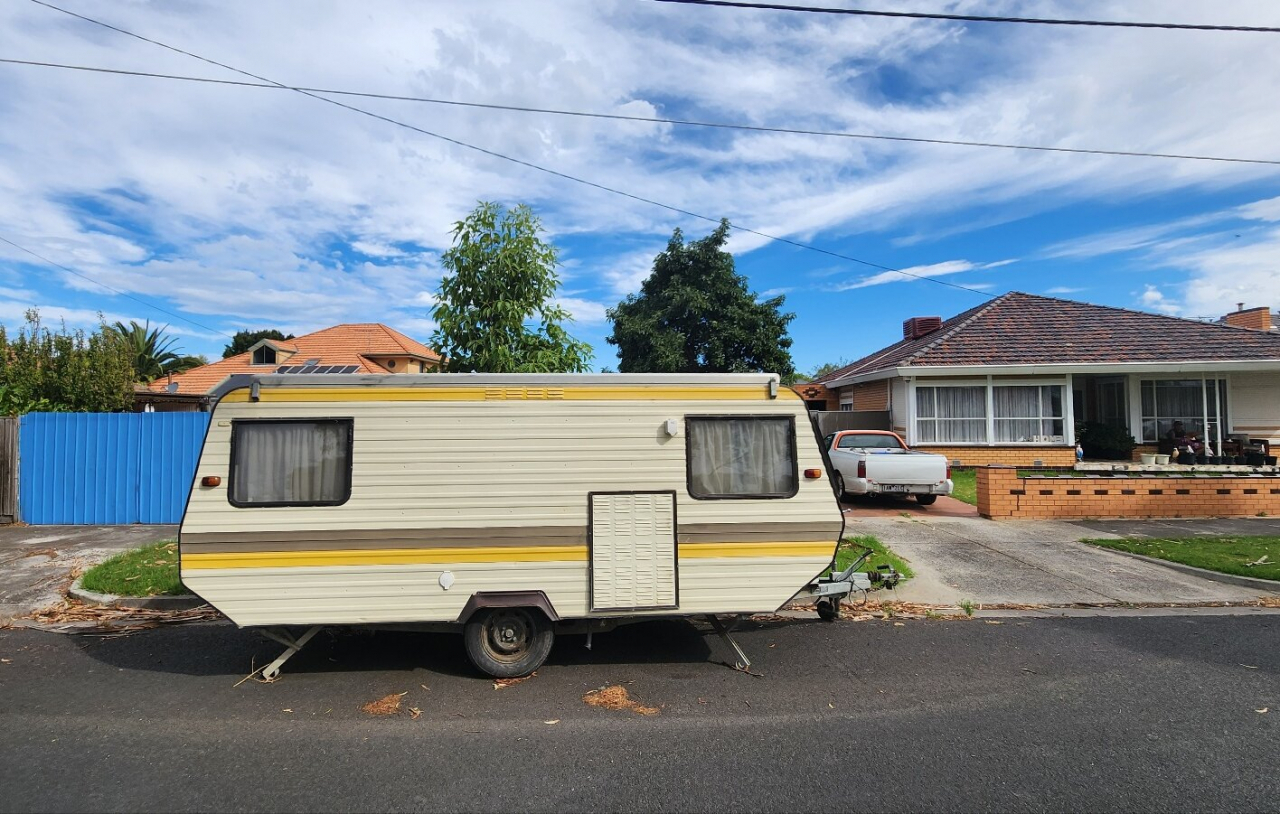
(917, 327)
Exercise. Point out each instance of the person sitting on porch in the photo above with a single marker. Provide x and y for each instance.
(1185, 443)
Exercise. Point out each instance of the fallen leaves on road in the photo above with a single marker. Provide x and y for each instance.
(616, 697)
(503, 683)
(552, 722)
(415, 713)
(77, 617)
(387, 705)
(1263, 711)
(41, 552)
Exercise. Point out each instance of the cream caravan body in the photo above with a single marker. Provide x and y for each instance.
(367, 500)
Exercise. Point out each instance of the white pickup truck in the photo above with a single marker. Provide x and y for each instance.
(870, 462)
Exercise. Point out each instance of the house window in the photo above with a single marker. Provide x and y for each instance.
(264, 355)
(846, 406)
(1028, 414)
(1190, 401)
(290, 462)
(741, 457)
(951, 415)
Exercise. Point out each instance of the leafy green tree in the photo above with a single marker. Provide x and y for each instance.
(63, 371)
(822, 370)
(153, 354)
(243, 340)
(496, 306)
(695, 314)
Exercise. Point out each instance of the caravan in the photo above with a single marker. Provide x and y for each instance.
(507, 506)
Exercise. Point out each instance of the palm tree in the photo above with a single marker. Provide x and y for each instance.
(154, 355)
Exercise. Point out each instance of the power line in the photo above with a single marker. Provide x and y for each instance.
(518, 161)
(644, 119)
(125, 294)
(974, 18)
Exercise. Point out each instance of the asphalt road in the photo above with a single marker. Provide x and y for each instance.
(1103, 714)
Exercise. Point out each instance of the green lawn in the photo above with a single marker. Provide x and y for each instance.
(149, 571)
(1229, 555)
(882, 556)
(965, 482)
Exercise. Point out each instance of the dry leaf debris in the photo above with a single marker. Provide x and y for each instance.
(386, 705)
(616, 697)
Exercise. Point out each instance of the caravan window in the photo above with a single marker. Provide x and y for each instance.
(742, 457)
(290, 462)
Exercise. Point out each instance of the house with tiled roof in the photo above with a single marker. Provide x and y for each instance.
(1011, 380)
(352, 348)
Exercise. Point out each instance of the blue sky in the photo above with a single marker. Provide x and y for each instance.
(240, 208)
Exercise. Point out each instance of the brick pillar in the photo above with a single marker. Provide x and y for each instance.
(994, 486)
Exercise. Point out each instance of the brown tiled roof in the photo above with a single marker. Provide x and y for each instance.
(357, 344)
(1025, 329)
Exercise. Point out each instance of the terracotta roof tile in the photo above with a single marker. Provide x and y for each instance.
(353, 344)
(1025, 329)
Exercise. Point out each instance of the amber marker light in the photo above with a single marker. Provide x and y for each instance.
(812, 474)
(211, 480)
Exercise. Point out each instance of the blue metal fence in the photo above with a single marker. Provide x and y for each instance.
(107, 468)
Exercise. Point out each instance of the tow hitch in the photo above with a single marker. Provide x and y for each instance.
(831, 589)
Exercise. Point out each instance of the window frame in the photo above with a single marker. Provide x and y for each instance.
(791, 446)
(1214, 393)
(1041, 418)
(937, 421)
(236, 423)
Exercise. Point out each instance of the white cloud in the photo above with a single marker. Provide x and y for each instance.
(909, 274)
(373, 249)
(1063, 289)
(1153, 299)
(585, 312)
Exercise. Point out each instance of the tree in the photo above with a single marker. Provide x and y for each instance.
(66, 371)
(823, 369)
(153, 354)
(496, 307)
(696, 314)
(243, 340)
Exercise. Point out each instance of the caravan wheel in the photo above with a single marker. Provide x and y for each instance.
(508, 642)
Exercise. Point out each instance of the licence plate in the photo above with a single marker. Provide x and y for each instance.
(895, 487)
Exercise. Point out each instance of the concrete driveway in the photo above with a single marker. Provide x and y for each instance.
(1042, 563)
(37, 563)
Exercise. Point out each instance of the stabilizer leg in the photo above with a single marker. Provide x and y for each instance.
(291, 644)
(744, 663)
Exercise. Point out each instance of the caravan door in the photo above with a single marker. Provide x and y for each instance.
(632, 542)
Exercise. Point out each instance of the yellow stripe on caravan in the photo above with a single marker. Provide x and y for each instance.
(602, 393)
(424, 556)
(692, 550)
(385, 556)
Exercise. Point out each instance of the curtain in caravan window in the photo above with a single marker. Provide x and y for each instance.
(742, 457)
(294, 463)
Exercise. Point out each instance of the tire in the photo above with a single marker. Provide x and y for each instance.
(926, 500)
(508, 642)
(840, 492)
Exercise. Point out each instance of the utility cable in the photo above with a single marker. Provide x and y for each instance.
(644, 119)
(512, 159)
(975, 18)
(124, 294)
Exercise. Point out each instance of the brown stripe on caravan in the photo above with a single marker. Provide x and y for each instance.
(219, 542)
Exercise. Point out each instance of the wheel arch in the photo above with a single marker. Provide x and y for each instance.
(508, 599)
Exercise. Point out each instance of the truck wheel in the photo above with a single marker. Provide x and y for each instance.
(926, 500)
(840, 493)
(508, 642)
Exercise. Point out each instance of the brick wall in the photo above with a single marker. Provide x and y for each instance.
(1012, 456)
(815, 392)
(1259, 319)
(871, 395)
(1003, 495)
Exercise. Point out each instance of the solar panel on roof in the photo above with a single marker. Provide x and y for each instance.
(293, 369)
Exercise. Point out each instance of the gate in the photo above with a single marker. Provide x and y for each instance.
(107, 468)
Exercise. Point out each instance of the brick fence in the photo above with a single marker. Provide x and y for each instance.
(1003, 495)
(1010, 456)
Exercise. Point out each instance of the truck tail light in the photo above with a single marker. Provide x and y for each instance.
(862, 469)
(948, 470)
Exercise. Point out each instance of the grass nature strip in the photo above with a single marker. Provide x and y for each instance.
(148, 571)
(1228, 555)
(848, 552)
